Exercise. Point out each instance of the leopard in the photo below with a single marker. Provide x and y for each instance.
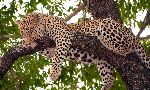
(111, 34)
(37, 25)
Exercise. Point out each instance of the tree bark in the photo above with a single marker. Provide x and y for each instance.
(7, 60)
(145, 22)
(104, 9)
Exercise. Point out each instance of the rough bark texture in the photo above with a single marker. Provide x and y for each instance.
(104, 9)
(7, 60)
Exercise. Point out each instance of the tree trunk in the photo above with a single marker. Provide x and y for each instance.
(104, 9)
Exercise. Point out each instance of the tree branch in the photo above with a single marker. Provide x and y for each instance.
(17, 78)
(145, 22)
(104, 9)
(81, 7)
(14, 53)
(4, 37)
(142, 38)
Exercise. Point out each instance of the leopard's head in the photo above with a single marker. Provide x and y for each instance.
(27, 27)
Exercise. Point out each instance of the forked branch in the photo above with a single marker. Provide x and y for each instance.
(145, 22)
(81, 7)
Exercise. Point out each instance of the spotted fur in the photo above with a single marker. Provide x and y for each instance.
(113, 36)
(36, 25)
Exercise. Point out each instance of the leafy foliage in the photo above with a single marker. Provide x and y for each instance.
(30, 72)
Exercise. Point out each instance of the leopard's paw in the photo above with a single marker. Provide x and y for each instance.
(54, 75)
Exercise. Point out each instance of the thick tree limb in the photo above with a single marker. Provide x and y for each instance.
(145, 22)
(7, 60)
(11, 55)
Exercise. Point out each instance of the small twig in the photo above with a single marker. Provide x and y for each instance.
(141, 29)
(142, 38)
(4, 37)
(145, 22)
(17, 78)
(81, 7)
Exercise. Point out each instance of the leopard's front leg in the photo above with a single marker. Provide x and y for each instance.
(62, 45)
(57, 61)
